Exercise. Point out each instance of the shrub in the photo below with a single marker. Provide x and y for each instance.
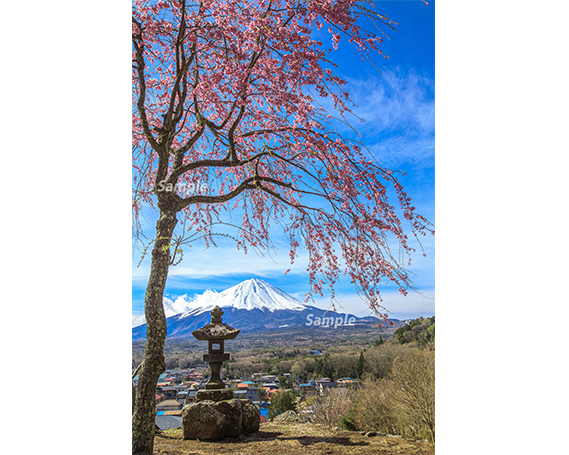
(348, 423)
(414, 375)
(402, 403)
(373, 407)
(330, 408)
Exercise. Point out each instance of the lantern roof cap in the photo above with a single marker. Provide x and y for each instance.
(216, 329)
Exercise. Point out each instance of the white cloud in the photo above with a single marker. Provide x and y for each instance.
(138, 320)
(184, 303)
(172, 307)
(179, 304)
(398, 306)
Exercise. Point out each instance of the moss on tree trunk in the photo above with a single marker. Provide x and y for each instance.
(153, 364)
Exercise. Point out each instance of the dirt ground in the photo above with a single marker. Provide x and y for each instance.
(291, 439)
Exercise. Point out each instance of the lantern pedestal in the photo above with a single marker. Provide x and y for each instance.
(214, 395)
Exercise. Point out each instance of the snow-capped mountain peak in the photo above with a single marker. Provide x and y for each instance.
(247, 295)
(249, 306)
(255, 293)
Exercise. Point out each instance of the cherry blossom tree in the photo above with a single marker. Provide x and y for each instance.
(226, 120)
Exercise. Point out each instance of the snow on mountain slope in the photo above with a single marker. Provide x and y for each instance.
(250, 306)
(247, 295)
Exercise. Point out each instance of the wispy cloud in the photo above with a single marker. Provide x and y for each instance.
(399, 150)
(224, 261)
(395, 102)
(399, 114)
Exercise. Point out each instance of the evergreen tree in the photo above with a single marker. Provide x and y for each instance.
(282, 401)
(360, 367)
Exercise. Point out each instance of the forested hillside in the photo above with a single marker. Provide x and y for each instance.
(420, 330)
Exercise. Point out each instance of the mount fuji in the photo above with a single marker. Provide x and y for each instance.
(250, 306)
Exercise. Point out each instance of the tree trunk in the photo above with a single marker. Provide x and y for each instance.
(153, 364)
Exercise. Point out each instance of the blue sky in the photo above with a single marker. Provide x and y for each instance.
(399, 111)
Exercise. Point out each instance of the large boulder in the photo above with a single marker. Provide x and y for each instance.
(250, 417)
(213, 420)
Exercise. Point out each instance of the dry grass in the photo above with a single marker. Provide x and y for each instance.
(293, 439)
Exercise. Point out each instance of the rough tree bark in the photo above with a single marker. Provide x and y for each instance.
(153, 364)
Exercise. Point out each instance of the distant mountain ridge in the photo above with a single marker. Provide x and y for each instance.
(252, 305)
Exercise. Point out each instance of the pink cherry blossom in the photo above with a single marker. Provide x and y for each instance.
(222, 94)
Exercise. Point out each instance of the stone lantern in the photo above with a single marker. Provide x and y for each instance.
(216, 414)
(215, 333)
